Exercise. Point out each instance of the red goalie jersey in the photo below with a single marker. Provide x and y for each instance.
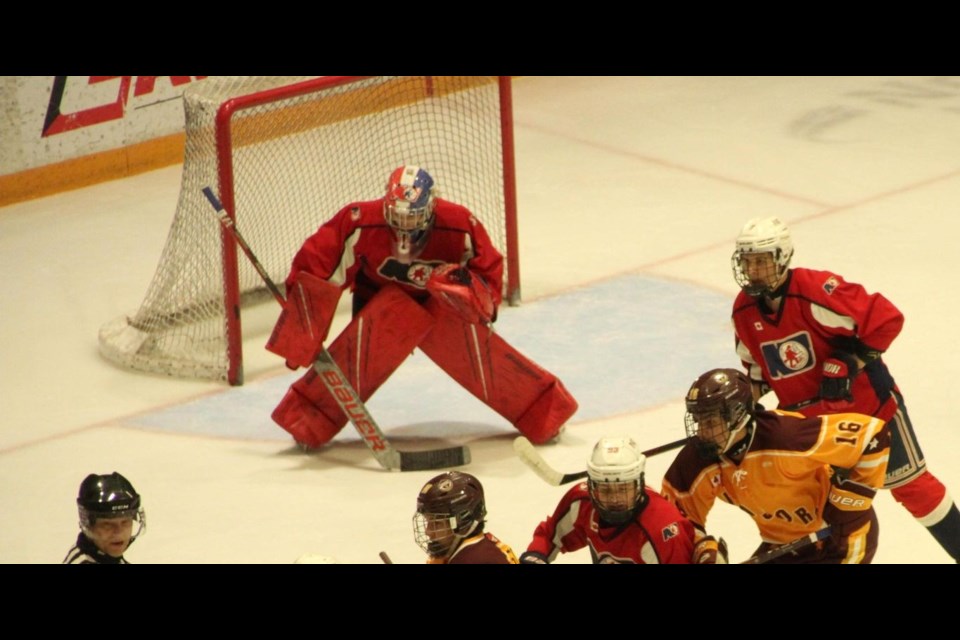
(354, 250)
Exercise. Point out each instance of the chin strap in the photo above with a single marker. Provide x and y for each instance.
(744, 445)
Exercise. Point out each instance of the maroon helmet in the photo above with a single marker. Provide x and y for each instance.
(450, 507)
(719, 393)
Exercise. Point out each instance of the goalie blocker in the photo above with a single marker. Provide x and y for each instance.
(385, 332)
(305, 320)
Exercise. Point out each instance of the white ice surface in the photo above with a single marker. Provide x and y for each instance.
(631, 191)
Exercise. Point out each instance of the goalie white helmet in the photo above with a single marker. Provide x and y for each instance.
(762, 256)
(408, 209)
(615, 471)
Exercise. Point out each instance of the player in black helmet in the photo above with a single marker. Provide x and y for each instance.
(108, 506)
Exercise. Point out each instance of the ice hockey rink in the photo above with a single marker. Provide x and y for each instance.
(631, 191)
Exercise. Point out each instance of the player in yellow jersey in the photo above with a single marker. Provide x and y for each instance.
(794, 475)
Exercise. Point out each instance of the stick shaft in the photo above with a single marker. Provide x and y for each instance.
(789, 547)
(529, 454)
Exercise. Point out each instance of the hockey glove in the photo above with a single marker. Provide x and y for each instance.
(710, 551)
(839, 371)
(462, 293)
(848, 508)
(532, 557)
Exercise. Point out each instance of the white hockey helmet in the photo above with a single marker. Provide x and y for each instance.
(762, 235)
(616, 460)
(616, 485)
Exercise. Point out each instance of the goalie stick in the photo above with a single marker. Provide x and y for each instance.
(340, 388)
(789, 547)
(529, 454)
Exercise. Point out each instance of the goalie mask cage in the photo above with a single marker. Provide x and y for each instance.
(285, 154)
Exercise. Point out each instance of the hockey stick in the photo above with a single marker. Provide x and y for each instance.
(386, 559)
(340, 388)
(529, 454)
(789, 547)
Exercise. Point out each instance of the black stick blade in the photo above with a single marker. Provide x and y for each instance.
(434, 459)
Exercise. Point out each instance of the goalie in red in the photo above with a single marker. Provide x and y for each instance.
(425, 274)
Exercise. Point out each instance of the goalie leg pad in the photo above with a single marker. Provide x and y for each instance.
(529, 397)
(371, 347)
(305, 320)
(304, 421)
(547, 415)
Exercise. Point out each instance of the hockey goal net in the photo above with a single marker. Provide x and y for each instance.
(284, 154)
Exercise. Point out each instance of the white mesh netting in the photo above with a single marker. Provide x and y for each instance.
(296, 160)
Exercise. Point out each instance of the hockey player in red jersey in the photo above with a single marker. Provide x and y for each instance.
(449, 523)
(817, 341)
(779, 468)
(619, 518)
(424, 274)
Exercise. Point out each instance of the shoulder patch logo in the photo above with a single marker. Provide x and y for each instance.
(830, 285)
(670, 531)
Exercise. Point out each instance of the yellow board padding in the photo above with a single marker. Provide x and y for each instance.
(92, 169)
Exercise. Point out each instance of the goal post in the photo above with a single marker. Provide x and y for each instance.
(285, 154)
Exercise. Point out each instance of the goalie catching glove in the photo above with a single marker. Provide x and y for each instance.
(462, 293)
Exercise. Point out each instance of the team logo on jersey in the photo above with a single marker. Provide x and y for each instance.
(788, 357)
(740, 478)
(354, 213)
(414, 274)
(670, 531)
(419, 273)
(606, 557)
(830, 285)
(715, 481)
